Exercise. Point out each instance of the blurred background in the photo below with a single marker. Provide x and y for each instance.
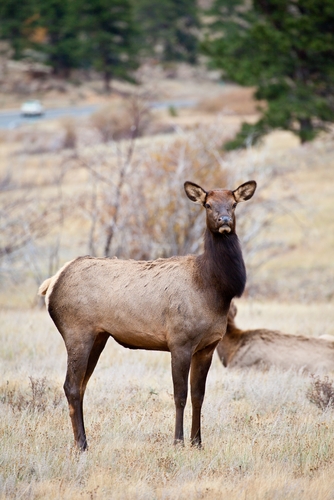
(108, 106)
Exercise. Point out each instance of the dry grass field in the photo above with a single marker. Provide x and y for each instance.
(263, 438)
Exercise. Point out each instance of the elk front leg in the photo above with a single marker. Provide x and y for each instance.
(200, 364)
(181, 359)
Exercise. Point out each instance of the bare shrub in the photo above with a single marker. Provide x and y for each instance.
(121, 119)
(321, 392)
(137, 196)
(18, 231)
(163, 214)
(31, 221)
(70, 135)
(136, 204)
(37, 141)
(39, 397)
(109, 121)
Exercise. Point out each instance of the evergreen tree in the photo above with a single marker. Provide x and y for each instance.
(47, 26)
(169, 28)
(286, 49)
(17, 23)
(108, 37)
(59, 20)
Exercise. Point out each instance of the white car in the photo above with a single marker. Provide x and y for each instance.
(32, 108)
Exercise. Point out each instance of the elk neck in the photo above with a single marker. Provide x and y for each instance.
(221, 266)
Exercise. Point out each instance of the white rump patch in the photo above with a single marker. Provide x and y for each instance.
(47, 285)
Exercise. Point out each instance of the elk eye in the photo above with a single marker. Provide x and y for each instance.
(207, 205)
(234, 205)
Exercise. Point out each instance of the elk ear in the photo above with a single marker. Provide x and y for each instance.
(195, 193)
(245, 191)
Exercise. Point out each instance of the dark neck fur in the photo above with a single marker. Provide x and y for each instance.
(221, 266)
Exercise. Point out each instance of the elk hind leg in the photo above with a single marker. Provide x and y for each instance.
(81, 361)
(94, 356)
(200, 364)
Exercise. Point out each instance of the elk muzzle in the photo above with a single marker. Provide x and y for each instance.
(225, 224)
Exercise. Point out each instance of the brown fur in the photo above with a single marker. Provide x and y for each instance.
(178, 305)
(265, 348)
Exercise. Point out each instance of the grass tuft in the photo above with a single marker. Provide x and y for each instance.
(321, 392)
(38, 398)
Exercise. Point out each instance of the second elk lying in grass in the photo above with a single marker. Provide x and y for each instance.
(265, 348)
(178, 304)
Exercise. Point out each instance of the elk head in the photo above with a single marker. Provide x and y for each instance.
(220, 204)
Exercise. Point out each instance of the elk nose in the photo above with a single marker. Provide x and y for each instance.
(225, 219)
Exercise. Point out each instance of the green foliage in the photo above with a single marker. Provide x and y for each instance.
(248, 135)
(47, 27)
(62, 47)
(286, 49)
(169, 28)
(104, 34)
(172, 111)
(17, 22)
(108, 34)
(89, 33)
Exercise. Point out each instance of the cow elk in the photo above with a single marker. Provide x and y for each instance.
(178, 304)
(265, 348)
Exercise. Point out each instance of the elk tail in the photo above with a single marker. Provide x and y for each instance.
(44, 287)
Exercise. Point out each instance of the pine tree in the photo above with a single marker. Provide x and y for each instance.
(285, 48)
(17, 24)
(169, 28)
(59, 20)
(108, 37)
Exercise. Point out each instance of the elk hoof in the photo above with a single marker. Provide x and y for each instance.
(178, 442)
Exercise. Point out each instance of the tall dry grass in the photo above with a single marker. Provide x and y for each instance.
(262, 436)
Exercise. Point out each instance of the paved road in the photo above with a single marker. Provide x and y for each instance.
(12, 118)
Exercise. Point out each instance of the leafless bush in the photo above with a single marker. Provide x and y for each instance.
(31, 224)
(113, 122)
(321, 393)
(36, 141)
(122, 119)
(17, 230)
(136, 200)
(171, 225)
(70, 137)
(38, 399)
